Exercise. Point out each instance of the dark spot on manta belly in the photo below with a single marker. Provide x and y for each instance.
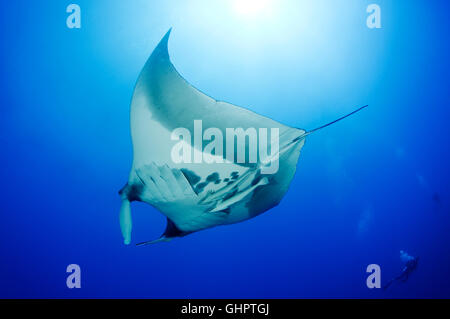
(123, 189)
(257, 178)
(191, 176)
(133, 192)
(173, 231)
(213, 177)
(200, 187)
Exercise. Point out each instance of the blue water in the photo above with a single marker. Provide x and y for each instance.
(365, 188)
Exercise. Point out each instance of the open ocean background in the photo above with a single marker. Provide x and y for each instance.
(365, 188)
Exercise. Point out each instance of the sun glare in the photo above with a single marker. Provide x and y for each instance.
(251, 8)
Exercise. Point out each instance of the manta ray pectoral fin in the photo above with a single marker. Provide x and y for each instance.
(170, 233)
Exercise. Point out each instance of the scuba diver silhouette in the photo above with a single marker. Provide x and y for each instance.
(410, 265)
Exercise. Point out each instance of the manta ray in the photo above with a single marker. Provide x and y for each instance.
(196, 196)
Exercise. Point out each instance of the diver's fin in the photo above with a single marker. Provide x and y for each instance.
(328, 124)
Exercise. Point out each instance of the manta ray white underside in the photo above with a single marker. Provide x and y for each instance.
(196, 196)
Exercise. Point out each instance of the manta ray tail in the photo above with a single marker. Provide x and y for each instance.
(150, 242)
(339, 119)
